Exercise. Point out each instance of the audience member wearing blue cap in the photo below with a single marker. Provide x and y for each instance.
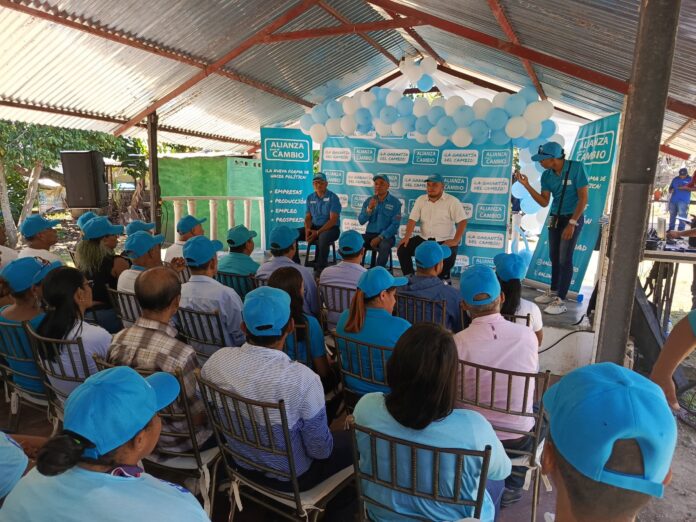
(260, 370)
(143, 250)
(419, 407)
(382, 213)
(679, 199)
(321, 226)
(369, 320)
(110, 424)
(39, 236)
(138, 225)
(283, 241)
(188, 226)
(241, 243)
(68, 295)
(511, 269)
(345, 274)
(611, 441)
(426, 284)
(84, 218)
(567, 182)
(442, 219)
(204, 293)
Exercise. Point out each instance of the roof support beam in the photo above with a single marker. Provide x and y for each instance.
(425, 45)
(666, 149)
(677, 132)
(343, 29)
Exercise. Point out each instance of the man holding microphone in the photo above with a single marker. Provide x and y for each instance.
(382, 213)
(567, 181)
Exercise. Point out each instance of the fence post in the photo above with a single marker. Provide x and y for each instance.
(212, 206)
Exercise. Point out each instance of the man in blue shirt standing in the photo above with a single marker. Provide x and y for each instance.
(567, 181)
(679, 199)
(321, 221)
(382, 213)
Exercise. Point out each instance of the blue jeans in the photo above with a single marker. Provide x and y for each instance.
(561, 253)
(678, 208)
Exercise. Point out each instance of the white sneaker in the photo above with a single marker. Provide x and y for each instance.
(556, 307)
(545, 298)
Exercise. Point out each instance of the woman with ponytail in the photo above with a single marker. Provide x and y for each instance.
(369, 320)
(91, 470)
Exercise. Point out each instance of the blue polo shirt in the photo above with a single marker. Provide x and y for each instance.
(680, 196)
(237, 263)
(314, 336)
(385, 217)
(320, 208)
(553, 183)
(13, 464)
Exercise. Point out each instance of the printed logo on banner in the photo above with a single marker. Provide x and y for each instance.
(462, 157)
(357, 200)
(359, 179)
(414, 181)
(595, 183)
(462, 260)
(484, 239)
(396, 156)
(334, 177)
(364, 154)
(595, 149)
(468, 210)
(394, 179)
(495, 158)
(337, 154)
(480, 260)
(490, 185)
(286, 149)
(456, 184)
(353, 224)
(488, 212)
(343, 198)
(426, 156)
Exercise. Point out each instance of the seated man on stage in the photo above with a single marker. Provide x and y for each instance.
(382, 213)
(441, 218)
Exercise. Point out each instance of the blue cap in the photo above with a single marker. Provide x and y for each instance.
(45, 270)
(479, 279)
(683, 171)
(378, 279)
(283, 236)
(266, 311)
(199, 250)
(239, 235)
(381, 176)
(435, 178)
(140, 243)
(20, 273)
(594, 406)
(430, 253)
(112, 406)
(35, 224)
(319, 175)
(84, 218)
(549, 150)
(100, 227)
(509, 266)
(137, 225)
(350, 242)
(186, 223)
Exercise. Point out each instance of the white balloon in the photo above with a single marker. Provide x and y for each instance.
(525, 155)
(333, 126)
(547, 108)
(382, 128)
(461, 137)
(452, 104)
(500, 99)
(439, 102)
(481, 107)
(435, 138)
(413, 73)
(318, 133)
(350, 105)
(533, 130)
(366, 99)
(393, 98)
(428, 65)
(398, 129)
(421, 138)
(348, 125)
(535, 112)
(516, 127)
(420, 107)
(558, 139)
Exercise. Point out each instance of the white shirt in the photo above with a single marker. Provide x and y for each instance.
(6, 256)
(536, 323)
(175, 250)
(438, 219)
(39, 252)
(126, 281)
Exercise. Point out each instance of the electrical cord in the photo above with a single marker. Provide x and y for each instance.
(559, 340)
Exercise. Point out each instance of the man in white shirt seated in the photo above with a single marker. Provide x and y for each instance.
(442, 219)
(143, 249)
(7, 254)
(187, 227)
(203, 293)
(491, 340)
(40, 236)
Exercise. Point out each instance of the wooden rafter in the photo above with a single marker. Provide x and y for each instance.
(340, 30)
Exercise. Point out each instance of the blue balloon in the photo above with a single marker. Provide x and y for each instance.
(529, 94)
(529, 206)
(479, 131)
(499, 137)
(519, 191)
(463, 116)
(548, 129)
(319, 114)
(496, 118)
(405, 106)
(306, 122)
(380, 92)
(479, 140)
(423, 125)
(388, 115)
(446, 126)
(515, 105)
(535, 144)
(526, 256)
(365, 128)
(375, 108)
(435, 113)
(409, 122)
(520, 143)
(334, 109)
(363, 116)
(425, 83)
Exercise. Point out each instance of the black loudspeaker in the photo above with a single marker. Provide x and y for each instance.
(85, 180)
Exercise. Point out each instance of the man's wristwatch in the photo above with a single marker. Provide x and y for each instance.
(573, 222)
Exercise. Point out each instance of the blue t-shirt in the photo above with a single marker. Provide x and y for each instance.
(552, 182)
(463, 429)
(237, 263)
(13, 464)
(680, 196)
(25, 367)
(321, 208)
(314, 335)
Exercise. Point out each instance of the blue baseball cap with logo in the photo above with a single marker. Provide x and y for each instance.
(84, 218)
(266, 311)
(35, 224)
(20, 273)
(140, 243)
(186, 224)
(509, 266)
(283, 236)
(113, 406)
(549, 150)
(430, 253)
(479, 280)
(350, 242)
(239, 235)
(199, 250)
(594, 406)
(319, 176)
(99, 227)
(137, 226)
(435, 178)
(381, 176)
(378, 279)
(45, 270)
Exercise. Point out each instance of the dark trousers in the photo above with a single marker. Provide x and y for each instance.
(323, 245)
(406, 253)
(516, 478)
(383, 249)
(561, 253)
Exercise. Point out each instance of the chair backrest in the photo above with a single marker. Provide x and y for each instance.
(420, 310)
(202, 330)
(242, 427)
(18, 362)
(378, 447)
(184, 275)
(291, 344)
(242, 284)
(527, 319)
(125, 304)
(335, 299)
(260, 282)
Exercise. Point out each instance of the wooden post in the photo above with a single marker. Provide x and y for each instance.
(155, 192)
(212, 206)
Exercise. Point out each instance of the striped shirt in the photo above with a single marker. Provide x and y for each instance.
(151, 345)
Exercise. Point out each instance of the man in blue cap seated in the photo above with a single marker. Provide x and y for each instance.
(40, 236)
(84, 218)
(137, 226)
(345, 274)
(283, 241)
(567, 181)
(204, 293)
(442, 219)
(425, 283)
(382, 213)
(261, 371)
(143, 249)
(187, 227)
(241, 242)
(321, 221)
(611, 441)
